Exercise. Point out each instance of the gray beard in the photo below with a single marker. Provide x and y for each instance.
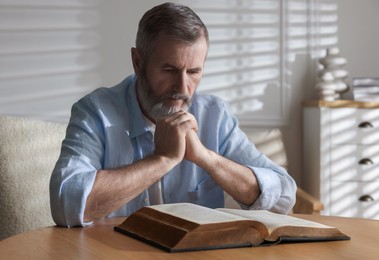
(153, 104)
(159, 111)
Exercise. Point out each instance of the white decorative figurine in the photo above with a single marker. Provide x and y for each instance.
(333, 64)
(326, 87)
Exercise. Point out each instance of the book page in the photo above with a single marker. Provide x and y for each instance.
(195, 213)
(274, 220)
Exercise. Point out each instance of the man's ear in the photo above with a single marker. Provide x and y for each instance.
(136, 60)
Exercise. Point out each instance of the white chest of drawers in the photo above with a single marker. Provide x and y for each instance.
(341, 156)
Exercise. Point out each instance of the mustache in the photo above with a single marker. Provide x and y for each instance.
(159, 111)
(177, 96)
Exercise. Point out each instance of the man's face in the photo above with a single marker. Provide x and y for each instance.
(168, 80)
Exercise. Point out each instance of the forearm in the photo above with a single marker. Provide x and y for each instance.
(114, 188)
(236, 179)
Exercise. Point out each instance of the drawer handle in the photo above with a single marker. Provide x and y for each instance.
(365, 125)
(366, 198)
(366, 161)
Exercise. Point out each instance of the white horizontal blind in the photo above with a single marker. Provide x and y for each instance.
(311, 27)
(47, 56)
(244, 64)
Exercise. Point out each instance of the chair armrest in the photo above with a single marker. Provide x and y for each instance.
(306, 203)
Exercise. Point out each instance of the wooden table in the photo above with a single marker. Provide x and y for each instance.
(100, 241)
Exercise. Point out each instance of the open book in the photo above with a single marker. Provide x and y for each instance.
(187, 227)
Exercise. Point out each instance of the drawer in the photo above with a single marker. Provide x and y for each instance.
(355, 199)
(353, 125)
(353, 162)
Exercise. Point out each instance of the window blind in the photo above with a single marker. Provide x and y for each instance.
(311, 27)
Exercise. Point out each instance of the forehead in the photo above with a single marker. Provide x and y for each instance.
(170, 50)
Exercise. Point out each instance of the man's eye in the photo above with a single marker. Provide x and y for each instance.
(170, 69)
(193, 72)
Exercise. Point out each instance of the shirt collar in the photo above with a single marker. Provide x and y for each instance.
(138, 123)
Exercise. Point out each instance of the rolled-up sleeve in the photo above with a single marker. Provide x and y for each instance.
(75, 171)
(277, 190)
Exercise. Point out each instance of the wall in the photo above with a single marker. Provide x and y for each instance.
(122, 17)
(359, 37)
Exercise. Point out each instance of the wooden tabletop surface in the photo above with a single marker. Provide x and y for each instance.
(100, 241)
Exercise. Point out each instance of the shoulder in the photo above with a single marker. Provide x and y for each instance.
(208, 101)
(117, 92)
(108, 105)
(210, 109)
(108, 97)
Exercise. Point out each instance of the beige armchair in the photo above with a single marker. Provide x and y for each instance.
(307, 204)
(28, 152)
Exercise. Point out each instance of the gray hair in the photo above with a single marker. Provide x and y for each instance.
(176, 20)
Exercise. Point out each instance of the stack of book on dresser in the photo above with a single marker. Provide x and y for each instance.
(366, 89)
(188, 227)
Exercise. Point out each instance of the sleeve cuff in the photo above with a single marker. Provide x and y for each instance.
(270, 187)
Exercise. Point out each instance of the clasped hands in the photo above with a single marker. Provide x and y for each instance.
(176, 138)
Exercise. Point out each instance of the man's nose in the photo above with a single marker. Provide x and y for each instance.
(182, 83)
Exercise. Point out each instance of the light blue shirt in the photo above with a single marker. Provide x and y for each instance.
(107, 129)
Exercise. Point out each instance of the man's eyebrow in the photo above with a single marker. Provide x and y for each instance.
(169, 65)
(197, 69)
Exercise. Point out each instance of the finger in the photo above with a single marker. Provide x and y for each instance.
(172, 117)
(193, 120)
(188, 125)
(179, 118)
(187, 120)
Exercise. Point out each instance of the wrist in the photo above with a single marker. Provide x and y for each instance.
(205, 158)
(167, 162)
